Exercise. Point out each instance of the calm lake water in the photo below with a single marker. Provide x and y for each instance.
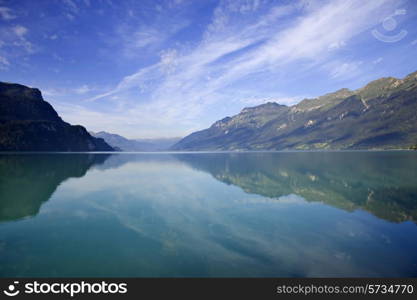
(289, 214)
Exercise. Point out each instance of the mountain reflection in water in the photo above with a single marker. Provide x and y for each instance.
(289, 214)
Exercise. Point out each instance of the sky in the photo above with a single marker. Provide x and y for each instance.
(151, 69)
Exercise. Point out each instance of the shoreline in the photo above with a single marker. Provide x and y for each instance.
(207, 151)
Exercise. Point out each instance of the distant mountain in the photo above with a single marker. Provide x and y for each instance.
(161, 144)
(28, 123)
(381, 115)
(124, 144)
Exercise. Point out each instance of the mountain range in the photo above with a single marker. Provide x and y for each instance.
(29, 123)
(380, 115)
(121, 143)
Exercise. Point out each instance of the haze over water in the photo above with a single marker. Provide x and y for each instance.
(289, 214)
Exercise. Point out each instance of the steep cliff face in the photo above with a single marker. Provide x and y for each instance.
(28, 123)
(381, 115)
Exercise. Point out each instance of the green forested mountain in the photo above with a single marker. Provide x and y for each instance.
(381, 115)
(28, 123)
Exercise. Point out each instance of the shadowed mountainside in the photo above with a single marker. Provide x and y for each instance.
(28, 123)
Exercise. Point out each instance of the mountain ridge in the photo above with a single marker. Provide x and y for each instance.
(29, 123)
(376, 116)
(124, 144)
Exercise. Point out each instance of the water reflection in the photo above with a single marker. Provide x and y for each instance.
(29, 180)
(239, 214)
(383, 183)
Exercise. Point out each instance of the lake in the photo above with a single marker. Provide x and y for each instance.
(282, 214)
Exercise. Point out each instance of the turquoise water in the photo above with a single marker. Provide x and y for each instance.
(292, 214)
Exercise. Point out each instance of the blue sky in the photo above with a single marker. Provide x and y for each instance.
(168, 68)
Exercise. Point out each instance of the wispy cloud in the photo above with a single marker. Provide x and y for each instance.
(134, 38)
(20, 30)
(6, 13)
(343, 69)
(378, 60)
(13, 44)
(233, 49)
(252, 101)
(21, 41)
(70, 16)
(140, 38)
(4, 63)
(84, 89)
(71, 6)
(81, 90)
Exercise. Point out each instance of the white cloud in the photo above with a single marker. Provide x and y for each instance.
(145, 37)
(132, 40)
(69, 16)
(56, 92)
(71, 6)
(4, 63)
(169, 60)
(343, 70)
(84, 89)
(253, 101)
(20, 30)
(50, 92)
(6, 14)
(14, 44)
(337, 45)
(378, 60)
(310, 37)
(249, 6)
(151, 36)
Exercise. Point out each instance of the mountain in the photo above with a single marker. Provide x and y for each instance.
(381, 115)
(161, 144)
(118, 142)
(28, 123)
(124, 144)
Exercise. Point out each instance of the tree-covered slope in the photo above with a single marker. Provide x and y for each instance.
(381, 115)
